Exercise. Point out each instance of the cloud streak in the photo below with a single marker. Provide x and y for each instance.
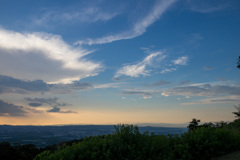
(138, 28)
(146, 93)
(21, 54)
(141, 68)
(58, 110)
(158, 83)
(205, 6)
(86, 15)
(49, 101)
(205, 90)
(224, 99)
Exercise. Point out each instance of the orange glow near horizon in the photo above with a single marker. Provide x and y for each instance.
(106, 117)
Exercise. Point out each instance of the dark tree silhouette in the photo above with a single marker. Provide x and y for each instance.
(193, 124)
(237, 114)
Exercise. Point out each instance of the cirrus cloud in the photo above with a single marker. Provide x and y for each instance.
(140, 27)
(141, 68)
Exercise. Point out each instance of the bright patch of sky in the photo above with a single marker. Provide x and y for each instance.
(140, 61)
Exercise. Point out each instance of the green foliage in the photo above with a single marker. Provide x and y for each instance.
(235, 125)
(206, 143)
(127, 142)
(20, 152)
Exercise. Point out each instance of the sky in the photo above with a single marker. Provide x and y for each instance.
(110, 62)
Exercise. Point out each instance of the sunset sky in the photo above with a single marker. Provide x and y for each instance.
(109, 62)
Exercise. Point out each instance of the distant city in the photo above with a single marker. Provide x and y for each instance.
(43, 136)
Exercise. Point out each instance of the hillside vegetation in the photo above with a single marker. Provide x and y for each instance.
(201, 142)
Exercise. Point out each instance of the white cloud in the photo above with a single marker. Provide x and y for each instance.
(43, 56)
(145, 67)
(181, 61)
(141, 68)
(138, 28)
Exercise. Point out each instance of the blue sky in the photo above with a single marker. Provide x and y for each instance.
(108, 62)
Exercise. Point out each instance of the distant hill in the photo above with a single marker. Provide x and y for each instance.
(42, 136)
(177, 125)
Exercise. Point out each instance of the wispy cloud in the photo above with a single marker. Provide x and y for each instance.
(141, 68)
(174, 64)
(184, 82)
(181, 61)
(108, 85)
(48, 101)
(45, 56)
(207, 68)
(70, 88)
(89, 15)
(224, 99)
(158, 83)
(221, 79)
(206, 93)
(205, 90)
(205, 6)
(138, 28)
(151, 63)
(146, 93)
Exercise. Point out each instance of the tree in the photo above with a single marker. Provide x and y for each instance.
(193, 124)
(237, 114)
